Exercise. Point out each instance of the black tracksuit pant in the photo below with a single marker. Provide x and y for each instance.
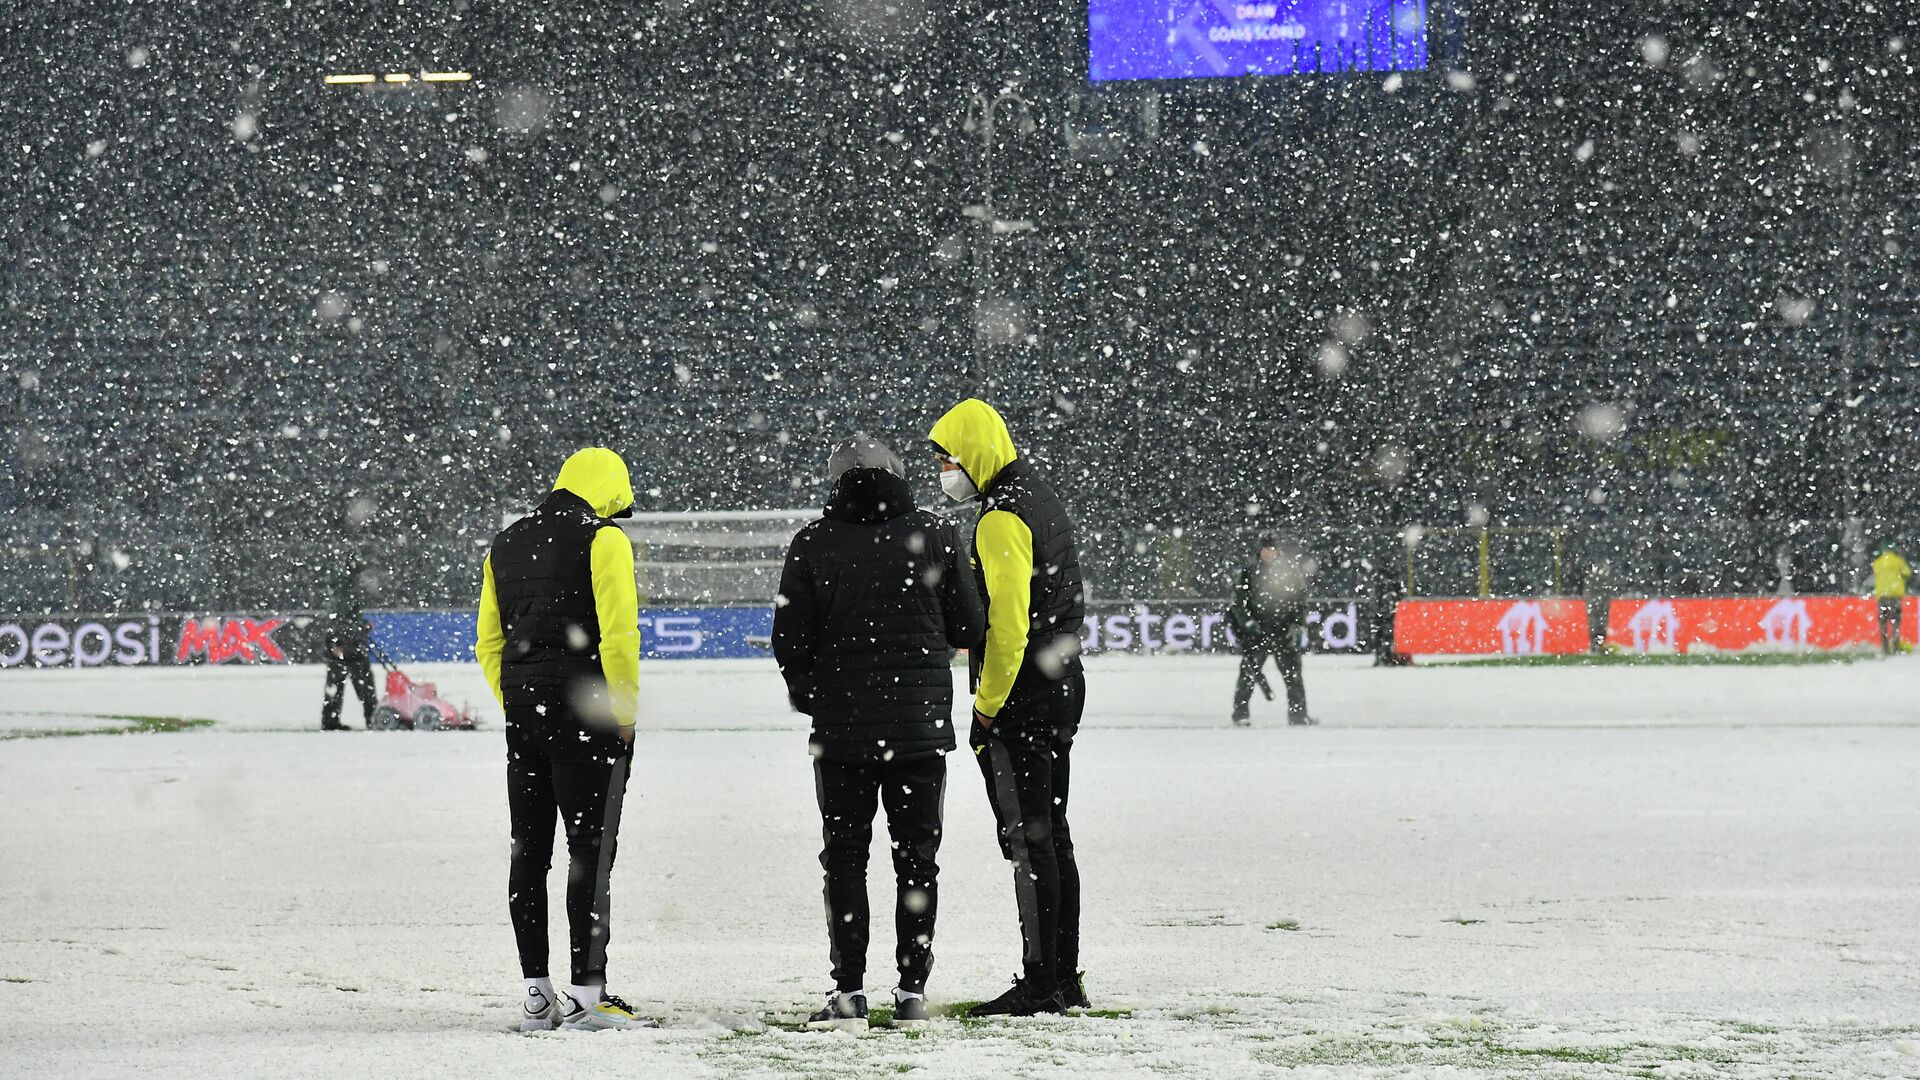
(913, 790)
(1026, 760)
(1284, 648)
(352, 666)
(557, 767)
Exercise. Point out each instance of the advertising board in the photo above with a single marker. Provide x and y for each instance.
(142, 639)
(1170, 626)
(1750, 623)
(682, 633)
(1490, 627)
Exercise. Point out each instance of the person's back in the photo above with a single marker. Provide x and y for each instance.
(559, 642)
(863, 634)
(543, 583)
(874, 598)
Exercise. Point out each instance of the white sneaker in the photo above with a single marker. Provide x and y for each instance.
(608, 1014)
(539, 1012)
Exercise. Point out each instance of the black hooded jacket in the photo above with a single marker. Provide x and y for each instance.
(874, 598)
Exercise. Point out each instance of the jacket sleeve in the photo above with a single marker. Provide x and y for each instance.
(618, 601)
(488, 646)
(960, 599)
(1004, 546)
(1244, 616)
(796, 626)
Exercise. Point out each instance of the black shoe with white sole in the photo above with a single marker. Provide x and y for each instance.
(843, 1012)
(909, 1013)
(1073, 992)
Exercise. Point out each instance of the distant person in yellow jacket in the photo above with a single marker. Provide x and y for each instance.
(1890, 576)
(1028, 691)
(559, 641)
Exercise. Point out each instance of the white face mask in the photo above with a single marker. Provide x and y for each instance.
(958, 485)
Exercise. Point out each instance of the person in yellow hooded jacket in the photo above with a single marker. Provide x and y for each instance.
(559, 642)
(1890, 577)
(1029, 691)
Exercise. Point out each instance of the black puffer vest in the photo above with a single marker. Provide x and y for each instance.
(1059, 597)
(876, 601)
(543, 581)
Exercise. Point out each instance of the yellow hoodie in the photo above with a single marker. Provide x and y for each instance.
(973, 434)
(1890, 574)
(599, 476)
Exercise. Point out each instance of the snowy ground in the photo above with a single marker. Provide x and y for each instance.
(1492, 872)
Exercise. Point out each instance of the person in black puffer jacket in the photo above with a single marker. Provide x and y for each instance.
(874, 598)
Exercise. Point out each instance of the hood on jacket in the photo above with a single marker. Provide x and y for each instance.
(598, 476)
(863, 451)
(975, 436)
(869, 496)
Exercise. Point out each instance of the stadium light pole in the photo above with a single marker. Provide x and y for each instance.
(982, 120)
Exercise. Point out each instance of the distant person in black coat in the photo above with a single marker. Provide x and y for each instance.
(346, 637)
(1268, 615)
(874, 598)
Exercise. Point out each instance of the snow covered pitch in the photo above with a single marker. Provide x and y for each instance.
(1466, 871)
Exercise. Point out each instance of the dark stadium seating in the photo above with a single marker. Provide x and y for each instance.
(381, 322)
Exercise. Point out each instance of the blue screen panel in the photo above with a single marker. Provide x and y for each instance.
(1208, 39)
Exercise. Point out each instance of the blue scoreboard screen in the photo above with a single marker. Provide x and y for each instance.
(1216, 39)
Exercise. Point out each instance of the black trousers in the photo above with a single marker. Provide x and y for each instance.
(913, 790)
(1026, 758)
(339, 669)
(1284, 648)
(556, 767)
(1889, 623)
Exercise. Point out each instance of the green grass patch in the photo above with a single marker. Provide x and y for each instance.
(124, 724)
(1284, 924)
(1460, 921)
(1592, 1055)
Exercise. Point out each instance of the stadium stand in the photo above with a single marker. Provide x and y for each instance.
(252, 322)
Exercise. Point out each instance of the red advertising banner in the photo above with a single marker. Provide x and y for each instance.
(1490, 627)
(1734, 624)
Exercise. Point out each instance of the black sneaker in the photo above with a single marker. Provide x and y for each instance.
(1021, 999)
(910, 1013)
(1302, 721)
(843, 1012)
(1240, 720)
(1073, 992)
